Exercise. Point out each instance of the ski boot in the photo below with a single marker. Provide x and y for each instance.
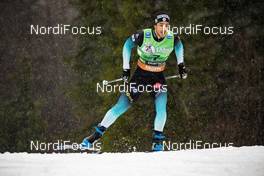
(87, 142)
(157, 144)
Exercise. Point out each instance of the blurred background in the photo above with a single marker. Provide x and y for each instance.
(48, 82)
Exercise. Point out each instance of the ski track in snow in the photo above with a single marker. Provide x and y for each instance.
(230, 161)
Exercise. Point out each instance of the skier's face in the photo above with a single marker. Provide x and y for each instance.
(161, 29)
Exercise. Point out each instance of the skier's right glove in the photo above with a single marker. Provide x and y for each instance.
(126, 75)
(182, 71)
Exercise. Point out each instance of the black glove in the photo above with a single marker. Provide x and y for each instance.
(182, 71)
(126, 75)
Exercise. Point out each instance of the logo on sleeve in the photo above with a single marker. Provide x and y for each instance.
(148, 34)
(169, 36)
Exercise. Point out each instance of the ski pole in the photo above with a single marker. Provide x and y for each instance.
(105, 82)
(173, 76)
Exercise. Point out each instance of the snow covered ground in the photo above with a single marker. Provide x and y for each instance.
(233, 161)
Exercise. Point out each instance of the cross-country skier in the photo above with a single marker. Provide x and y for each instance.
(153, 48)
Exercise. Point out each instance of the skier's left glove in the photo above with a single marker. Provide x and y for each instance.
(182, 71)
(126, 75)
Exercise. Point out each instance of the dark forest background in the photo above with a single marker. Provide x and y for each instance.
(48, 83)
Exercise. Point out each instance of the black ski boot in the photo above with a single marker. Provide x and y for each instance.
(87, 142)
(158, 139)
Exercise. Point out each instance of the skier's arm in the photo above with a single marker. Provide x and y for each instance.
(178, 47)
(127, 49)
(131, 42)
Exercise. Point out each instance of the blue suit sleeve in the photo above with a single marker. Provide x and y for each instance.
(127, 49)
(178, 47)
